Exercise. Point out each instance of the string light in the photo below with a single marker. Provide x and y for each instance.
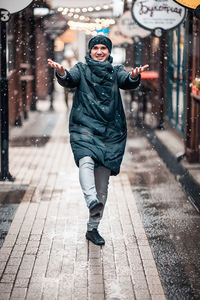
(91, 26)
(85, 23)
(86, 9)
(97, 20)
(64, 12)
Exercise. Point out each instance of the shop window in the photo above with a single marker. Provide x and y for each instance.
(175, 108)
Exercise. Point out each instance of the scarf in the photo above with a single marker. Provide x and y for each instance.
(100, 76)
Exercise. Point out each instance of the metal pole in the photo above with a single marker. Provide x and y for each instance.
(33, 60)
(4, 111)
(161, 79)
(51, 88)
(192, 154)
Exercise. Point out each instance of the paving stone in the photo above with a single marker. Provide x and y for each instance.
(4, 254)
(8, 278)
(158, 297)
(97, 297)
(5, 287)
(96, 288)
(16, 253)
(11, 269)
(95, 270)
(24, 273)
(50, 289)
(5, 296)
(95, 278)
(14, 261)
(46, 255)
(21, 282)
(18, 293)
(2, 266)
(80, 293)
(142, 294)
(155, 289)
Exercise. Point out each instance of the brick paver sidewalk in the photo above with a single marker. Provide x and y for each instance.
(45, 254)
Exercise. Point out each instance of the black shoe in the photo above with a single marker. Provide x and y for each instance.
(95, 207)
(95, 237)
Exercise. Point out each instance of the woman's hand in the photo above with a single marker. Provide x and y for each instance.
(135, 72)
(59, 68)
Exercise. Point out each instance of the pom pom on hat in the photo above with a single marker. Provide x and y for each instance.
(100, 39)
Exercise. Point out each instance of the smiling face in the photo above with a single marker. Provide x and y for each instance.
(99, 52)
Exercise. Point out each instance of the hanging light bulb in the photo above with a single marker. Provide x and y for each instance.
(97, 20)
(105, 7)
(90, 8)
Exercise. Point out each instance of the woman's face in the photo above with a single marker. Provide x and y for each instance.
(99, 52)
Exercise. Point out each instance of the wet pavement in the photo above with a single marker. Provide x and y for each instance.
(151, 228)
(171, 222)
(10, 197)
(45, 254)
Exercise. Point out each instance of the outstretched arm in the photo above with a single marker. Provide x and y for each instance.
(135, 72)
(130, 80)
(65, 78)
(59, 68)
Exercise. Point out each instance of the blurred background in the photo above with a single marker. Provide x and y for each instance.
(169, 95)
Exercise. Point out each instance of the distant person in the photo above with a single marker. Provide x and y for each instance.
(97, 123)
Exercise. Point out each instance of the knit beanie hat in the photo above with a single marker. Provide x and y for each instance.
(100, 39)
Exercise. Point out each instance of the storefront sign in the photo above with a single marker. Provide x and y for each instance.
(158, 15)
(14, 6)
(195, 4)
(129, 28)
(4, 15)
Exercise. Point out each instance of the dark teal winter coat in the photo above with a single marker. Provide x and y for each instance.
(97, 122)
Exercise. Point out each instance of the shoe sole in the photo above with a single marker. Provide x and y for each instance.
(95, 210)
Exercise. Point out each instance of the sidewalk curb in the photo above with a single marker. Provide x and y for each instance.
(190, 186)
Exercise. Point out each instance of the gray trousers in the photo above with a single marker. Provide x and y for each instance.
(94, 183)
